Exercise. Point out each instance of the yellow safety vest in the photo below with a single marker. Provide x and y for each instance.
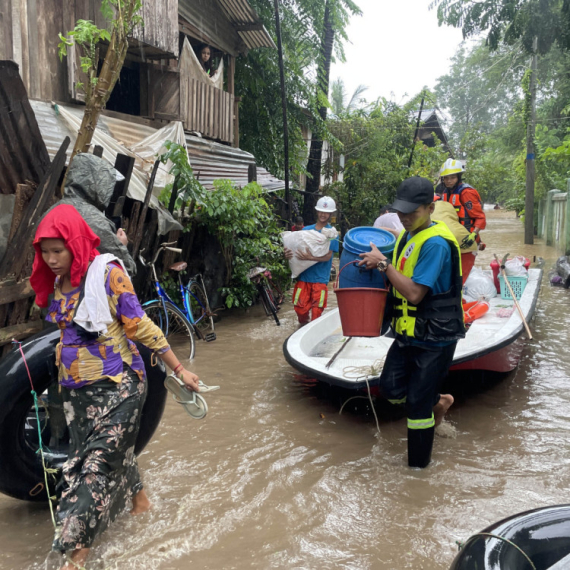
(436, 317)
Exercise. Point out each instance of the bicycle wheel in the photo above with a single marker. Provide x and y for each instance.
(179, 334)
(203, 319)
(269, 303)
(277, 294)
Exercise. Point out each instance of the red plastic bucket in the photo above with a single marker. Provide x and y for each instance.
(361, 309)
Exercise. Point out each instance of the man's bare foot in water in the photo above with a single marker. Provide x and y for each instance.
(141, 503)
(440, 409)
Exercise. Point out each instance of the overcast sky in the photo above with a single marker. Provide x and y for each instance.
(396, 47)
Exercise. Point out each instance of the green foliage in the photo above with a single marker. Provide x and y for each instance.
(87, 36)
(377, 148)
(258, 81)
(189, 189)
(340, 104)
(559, 154)
(248, 234)
(240, 219)
(509, 21)
(486, 96)
(480, 90)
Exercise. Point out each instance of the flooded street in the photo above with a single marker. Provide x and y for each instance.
(274, 477)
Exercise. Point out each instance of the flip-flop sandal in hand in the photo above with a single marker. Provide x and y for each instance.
(193, 403)
(205, 388)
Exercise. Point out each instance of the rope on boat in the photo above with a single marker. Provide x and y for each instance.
(365, 372)
(509, 542)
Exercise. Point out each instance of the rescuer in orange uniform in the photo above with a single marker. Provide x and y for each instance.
(468, 205)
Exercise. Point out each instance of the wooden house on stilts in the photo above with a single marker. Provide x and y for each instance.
(163, 93)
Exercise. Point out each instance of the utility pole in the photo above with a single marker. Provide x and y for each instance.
(530, 171)
(288, 197)
(417, 130)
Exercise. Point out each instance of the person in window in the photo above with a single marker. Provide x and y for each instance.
(205, 59)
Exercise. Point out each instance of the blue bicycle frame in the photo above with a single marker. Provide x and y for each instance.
(185, 293)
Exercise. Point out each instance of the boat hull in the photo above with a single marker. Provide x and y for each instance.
(503, 360)
(493, 343)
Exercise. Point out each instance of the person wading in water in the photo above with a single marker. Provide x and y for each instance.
(101, 377)
(426, 315)
(310, 294)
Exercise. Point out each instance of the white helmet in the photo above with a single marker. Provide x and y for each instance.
(326, 204)
(451, 166)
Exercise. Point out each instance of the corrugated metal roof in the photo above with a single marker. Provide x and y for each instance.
(213, 161)
(240, 13)
(426, 114)
(210, 160)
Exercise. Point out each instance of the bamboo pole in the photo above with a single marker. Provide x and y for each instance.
(527, 328)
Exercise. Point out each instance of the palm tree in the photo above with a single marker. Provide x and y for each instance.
(338, 98)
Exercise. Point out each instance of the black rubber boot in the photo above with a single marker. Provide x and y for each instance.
(420, 443)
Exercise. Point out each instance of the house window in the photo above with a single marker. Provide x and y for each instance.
(126, 96)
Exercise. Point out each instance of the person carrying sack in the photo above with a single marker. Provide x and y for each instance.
(426, 315)
(311, 293)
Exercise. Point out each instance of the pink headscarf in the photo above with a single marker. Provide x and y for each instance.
(63, 222)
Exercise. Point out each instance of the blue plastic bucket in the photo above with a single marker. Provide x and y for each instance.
(357, 241)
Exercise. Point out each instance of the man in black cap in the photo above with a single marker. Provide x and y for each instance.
(426, 314)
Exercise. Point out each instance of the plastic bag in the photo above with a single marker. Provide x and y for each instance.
(563, 270)
(479, 285)
(316, 242)
(515, 266)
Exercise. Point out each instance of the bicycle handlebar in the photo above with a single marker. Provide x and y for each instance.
(162, 247)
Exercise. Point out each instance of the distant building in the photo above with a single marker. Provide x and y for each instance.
(431, 125)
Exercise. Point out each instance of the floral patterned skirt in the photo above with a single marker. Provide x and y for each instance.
(101, 474)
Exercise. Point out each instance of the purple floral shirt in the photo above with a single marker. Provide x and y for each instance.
(83, 357)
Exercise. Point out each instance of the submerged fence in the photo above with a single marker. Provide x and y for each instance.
(554, 219)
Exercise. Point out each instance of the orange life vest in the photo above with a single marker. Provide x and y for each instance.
(454, 198)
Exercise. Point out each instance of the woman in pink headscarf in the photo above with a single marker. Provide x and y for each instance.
(101, 378)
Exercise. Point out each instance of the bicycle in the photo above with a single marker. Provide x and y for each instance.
(194, 319)
(269, 292)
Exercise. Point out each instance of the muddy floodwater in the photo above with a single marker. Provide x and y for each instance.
(274, 477)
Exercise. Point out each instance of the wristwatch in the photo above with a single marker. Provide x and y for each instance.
(383, 265)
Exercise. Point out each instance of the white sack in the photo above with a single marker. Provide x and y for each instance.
(516, 266)
(318, 244)
(479, 285)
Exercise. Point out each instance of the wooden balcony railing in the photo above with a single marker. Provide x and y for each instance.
(175, 96)
(206, 109)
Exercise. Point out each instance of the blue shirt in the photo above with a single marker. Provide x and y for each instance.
(321, 271)
(433, 268)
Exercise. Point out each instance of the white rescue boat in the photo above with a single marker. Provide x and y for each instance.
(492, 343)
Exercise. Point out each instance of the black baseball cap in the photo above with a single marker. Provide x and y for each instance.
(413, 192)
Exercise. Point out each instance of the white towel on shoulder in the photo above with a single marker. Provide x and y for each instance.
(93, 314)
